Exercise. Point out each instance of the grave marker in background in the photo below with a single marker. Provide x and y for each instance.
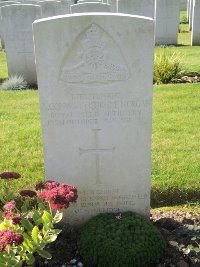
(50, 8)
(167, 22)
(90, 7)
(137, 7)
(17, 33)
(95, 83)
(195, 37)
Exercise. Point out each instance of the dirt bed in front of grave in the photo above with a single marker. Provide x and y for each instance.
(180, 229)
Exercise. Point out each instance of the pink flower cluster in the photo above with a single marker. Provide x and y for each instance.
(8, 237)
(9, 207)
(57, 194)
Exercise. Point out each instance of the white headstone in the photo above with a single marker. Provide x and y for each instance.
(90, 7)
(17, 32)
(167, 22)
(113, 5)
(4, 3)
(95, 84)
(188, 9)
(183, 5)
(66, 6)
(93, 1)
(50, 8)
(195, 38)
(30, 2)
(191, 14)
(137, 7)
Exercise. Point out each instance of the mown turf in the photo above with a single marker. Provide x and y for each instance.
(3, 66)
(20, 136)
(175, 145)
(175, 148)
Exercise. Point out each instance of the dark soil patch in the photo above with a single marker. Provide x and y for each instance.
(180, 229)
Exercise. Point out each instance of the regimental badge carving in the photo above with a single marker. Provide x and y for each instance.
(94, 58)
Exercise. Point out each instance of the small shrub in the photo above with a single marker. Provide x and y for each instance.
(14, 83)
(127, 240)
(167, 68)
(26, 231)
(183, 20)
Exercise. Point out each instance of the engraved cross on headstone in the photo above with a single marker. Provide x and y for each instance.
(97, 151)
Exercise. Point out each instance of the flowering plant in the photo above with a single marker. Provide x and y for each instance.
(25, 231)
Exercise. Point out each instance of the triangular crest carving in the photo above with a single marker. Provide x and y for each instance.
(94, 58)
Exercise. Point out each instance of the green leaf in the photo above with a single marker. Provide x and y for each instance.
(2, 200)
(58, 217)
(46, 217)
(56, 231)
(30, 259)
(51, 238)
(27, 225)
(37, 217)
(197, 250)
(173, 243)
(44, 254)
(34, 235)
(28, 243)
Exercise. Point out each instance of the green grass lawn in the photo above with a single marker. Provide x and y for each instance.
(175, 149)
(3, 66)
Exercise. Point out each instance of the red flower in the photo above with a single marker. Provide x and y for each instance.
(8, 237)
(60, 196)
(16, 219)
(10, 205)
(27, 193)
(47, 185)
(13, 237)
(7, 214)
(10, 175)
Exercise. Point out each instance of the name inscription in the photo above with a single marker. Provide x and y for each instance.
(92, 109)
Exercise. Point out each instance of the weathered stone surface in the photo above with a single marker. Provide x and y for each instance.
(167, 22)
(95, 84)
(17, 33)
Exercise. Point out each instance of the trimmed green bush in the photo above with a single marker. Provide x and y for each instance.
(167, 68)
(132, 241)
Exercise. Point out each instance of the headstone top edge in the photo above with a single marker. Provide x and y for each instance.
(80, 4)
(91, 14)
(14, 5)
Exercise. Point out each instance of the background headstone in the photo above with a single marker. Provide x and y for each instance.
(66, 6)
(50, 8)
(137, 7)
(195, 38)
(183, 5)
(4, 3)
(90, 7)
(95, 84)
(167, 22)
(17, 33)
(191, 14)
